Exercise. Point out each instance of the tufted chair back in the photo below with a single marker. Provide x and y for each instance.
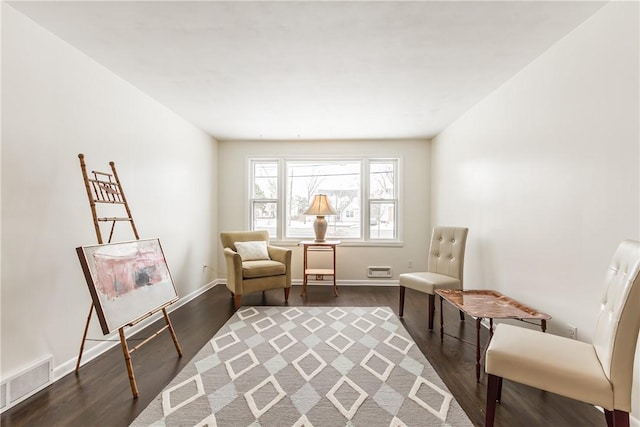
(446, 252)
(618, 322)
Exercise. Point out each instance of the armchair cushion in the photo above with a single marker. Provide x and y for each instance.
(253, 250)
(262, 268)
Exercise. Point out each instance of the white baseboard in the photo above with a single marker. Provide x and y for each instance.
(113, 340)
(368, 282)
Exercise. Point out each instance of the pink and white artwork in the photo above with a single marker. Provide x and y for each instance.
(126, 280)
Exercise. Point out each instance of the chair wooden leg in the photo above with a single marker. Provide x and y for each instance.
(286, 294)
(620, 418)
(238, 300)
(493, 390)
(616, 418)
(432, 310)
(608, 415)
(401, 309)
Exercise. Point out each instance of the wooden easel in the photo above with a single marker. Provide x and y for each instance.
(105, 188)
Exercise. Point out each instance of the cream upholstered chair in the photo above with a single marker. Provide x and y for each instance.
(445, 267)
(599, 373)
(254, 265)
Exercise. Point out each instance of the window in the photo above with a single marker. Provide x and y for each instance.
(363, 192)
(264, 196)
(382, 199)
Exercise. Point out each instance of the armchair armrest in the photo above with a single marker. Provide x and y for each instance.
(284, 256)
(279, 254)
(234, 270)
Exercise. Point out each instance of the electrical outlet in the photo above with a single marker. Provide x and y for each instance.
(573, 332)
(410, 263)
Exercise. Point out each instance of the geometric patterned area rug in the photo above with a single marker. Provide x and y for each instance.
(307, 366)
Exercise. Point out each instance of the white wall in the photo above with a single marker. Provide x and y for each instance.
(56, 103)
(352, 261)
(545, 172)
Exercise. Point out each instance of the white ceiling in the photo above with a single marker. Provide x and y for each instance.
(314, 69)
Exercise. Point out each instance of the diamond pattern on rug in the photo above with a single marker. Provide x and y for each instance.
(347, 398)
(282, 341)
(302, 422)
(302, 364)
(340, 342)
(363, 324)
(293, 313)
(399, 342)
(374, 361)
(241, 363)
(263, 396)
(382, 313)
(444, 404)
(185, 392)
(263, 324)
(209, 421)
(337, 313)
(247, 313)
(224, 341)
(305, 367)
(313, 324)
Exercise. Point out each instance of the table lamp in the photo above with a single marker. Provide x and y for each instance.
(320, 207)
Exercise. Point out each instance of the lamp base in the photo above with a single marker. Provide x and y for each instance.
(320, 228)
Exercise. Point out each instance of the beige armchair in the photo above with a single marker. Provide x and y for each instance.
(254, 265)
(599, 373)
(445, 267)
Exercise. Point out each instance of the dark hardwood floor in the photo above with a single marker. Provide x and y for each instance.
(100, 394)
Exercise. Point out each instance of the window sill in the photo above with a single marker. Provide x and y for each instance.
(350, 243)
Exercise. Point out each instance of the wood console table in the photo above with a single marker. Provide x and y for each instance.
(319, 273)
(488, 304)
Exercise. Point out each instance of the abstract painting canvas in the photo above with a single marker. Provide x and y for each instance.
(127, 281)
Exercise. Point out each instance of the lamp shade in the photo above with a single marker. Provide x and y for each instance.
(320, 206)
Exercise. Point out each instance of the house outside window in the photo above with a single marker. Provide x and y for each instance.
(363, 192)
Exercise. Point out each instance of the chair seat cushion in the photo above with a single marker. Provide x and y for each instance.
(549, 362)
(262, 268)
(427, 282)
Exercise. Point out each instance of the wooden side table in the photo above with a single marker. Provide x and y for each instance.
(319, 273)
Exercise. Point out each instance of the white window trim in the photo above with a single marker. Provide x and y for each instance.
(365, 240)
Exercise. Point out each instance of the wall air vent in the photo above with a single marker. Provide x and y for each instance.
(26, 383)
(383, 272)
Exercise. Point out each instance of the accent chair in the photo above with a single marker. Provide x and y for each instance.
(445, 267)
(254, 265)
(599, 373)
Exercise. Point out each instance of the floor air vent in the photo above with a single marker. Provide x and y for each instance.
(26, 383)
(379, 272)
